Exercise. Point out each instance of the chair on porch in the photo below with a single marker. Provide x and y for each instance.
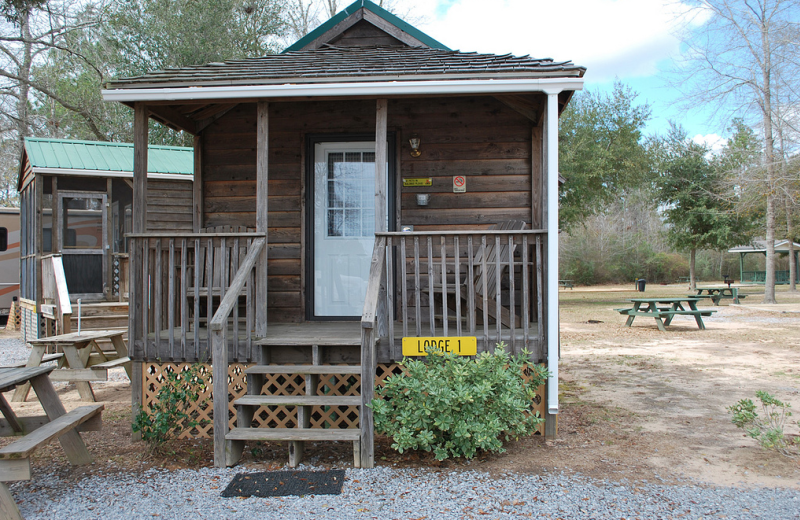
(494, 258)
(212, 276)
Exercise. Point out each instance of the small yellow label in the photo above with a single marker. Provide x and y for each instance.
(459, 345)
(411, 183)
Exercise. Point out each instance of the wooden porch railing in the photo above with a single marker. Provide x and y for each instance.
(55, 295)
(487, 284)
(184, 278)
(219, 327)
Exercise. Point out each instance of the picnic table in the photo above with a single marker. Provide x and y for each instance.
(79, 363)
(565, 283)
(716, 294)
(36, 431)
(665, 309)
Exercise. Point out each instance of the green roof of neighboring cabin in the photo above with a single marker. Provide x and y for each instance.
(376, 9)
(101, 156)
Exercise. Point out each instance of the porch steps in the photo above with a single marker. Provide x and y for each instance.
(293, 434)
(298, 400)
(304, 369)
(312, 347)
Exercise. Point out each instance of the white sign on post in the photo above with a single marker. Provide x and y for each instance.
(459, 184)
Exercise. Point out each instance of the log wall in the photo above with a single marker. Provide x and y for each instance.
(474, 136)
(169, 206)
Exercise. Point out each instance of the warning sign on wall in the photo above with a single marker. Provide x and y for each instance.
(459, 184)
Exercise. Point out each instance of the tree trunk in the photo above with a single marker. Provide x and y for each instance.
(766, 110)
(692, 280)
(23, 127)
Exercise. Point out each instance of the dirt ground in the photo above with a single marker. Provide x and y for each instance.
(636, 403)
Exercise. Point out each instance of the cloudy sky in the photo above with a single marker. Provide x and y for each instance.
(633, 40)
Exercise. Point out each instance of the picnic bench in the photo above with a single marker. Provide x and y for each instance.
(37, 431)
(83, 360)
(716, 294)
(663, 310)
(565, 284)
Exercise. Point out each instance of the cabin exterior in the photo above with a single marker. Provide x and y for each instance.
(76, 202)
(366, 185)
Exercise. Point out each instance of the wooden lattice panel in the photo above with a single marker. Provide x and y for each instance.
(277, 384)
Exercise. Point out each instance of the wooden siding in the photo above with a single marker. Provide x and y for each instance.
(364, 34)
(474, 136)
(169, 206)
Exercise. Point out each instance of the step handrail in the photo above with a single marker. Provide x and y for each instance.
(219, 350)
(369, 320)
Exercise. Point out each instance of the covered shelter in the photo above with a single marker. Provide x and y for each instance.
(365, 187)
(760, 247)
(76, 202)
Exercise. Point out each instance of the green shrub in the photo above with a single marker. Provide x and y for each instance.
(766, 429)
(168, 413)
(454, 406)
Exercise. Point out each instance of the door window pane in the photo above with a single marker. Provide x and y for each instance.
(351, 185)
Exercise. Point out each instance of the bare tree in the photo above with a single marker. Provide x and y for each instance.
(737, 60)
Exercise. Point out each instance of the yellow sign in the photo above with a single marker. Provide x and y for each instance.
(411, 183)
(460, 345)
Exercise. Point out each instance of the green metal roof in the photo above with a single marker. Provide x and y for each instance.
(102, 156)
(380, 11)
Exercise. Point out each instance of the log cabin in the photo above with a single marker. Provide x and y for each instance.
(76, 203)
(367, 185)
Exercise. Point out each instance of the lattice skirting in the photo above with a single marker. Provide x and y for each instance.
(276, 416)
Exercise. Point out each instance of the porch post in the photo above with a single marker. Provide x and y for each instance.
(552, 337)
(197, 185)
(381, 109)
(741, 267)
(262, 213)
(136, 291)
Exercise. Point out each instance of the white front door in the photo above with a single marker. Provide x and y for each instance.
(344, 226)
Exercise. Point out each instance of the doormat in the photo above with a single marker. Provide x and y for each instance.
(285, 483)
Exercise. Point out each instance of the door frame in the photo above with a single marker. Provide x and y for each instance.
(308, 236)
(104, 249)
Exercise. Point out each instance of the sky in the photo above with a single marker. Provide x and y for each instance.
(635, 41)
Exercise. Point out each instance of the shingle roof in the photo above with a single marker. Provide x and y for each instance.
(340, 64)
(108, 157)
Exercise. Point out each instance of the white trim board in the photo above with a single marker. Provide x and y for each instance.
(112, 173)
(367, 88)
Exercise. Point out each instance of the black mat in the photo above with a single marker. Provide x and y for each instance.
(285, 483)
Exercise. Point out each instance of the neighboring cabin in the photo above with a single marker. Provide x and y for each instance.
(379, 186)
(76, 202)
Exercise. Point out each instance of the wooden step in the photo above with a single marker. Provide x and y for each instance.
(298, 400)
(304, 369)
(293, 434)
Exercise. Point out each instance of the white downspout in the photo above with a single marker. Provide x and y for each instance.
(552, 252)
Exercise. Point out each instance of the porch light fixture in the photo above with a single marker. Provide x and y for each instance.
(414, 142)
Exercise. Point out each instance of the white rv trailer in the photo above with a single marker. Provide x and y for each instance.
(9, 258)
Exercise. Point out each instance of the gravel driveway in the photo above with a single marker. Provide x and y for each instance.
(385, 493)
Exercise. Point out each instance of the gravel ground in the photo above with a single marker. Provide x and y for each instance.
(386, 493)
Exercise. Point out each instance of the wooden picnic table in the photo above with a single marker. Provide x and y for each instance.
(36, 431)
(565, 284)
(716, 294)
(79, 364)
(665, 309)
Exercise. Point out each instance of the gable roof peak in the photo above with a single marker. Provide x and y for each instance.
(365, 10)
